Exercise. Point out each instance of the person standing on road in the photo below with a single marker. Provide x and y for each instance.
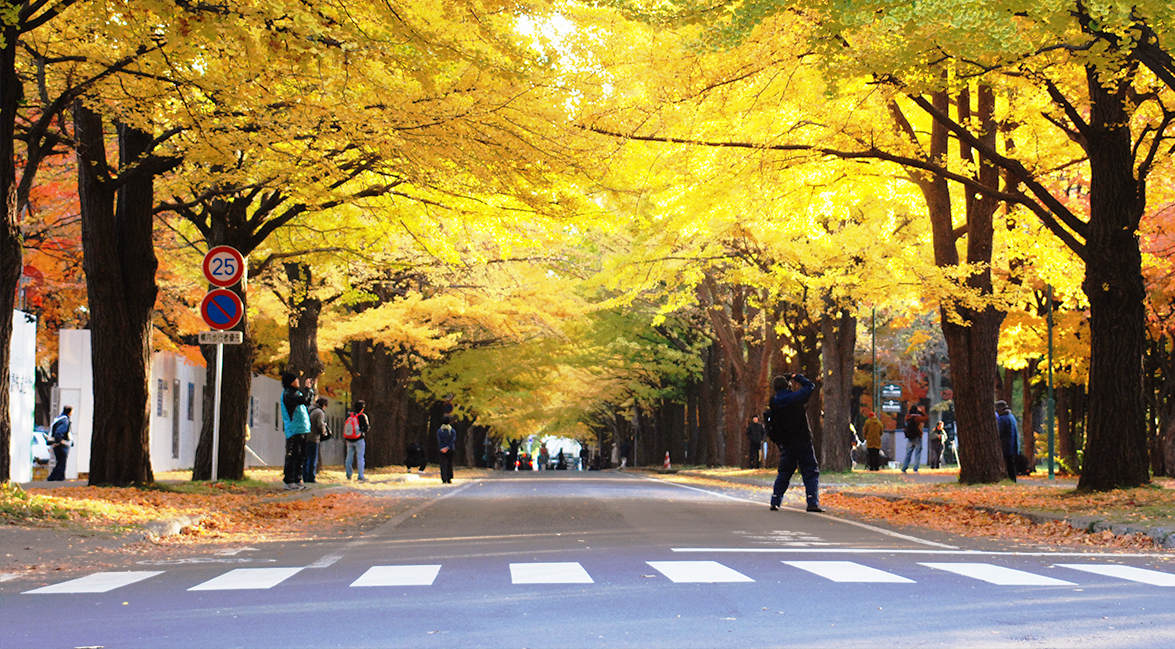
(789, 423)
(354, 435)
(755, 433)
(318, 431)
(59, 433)
(1009, 436)
(914, 421)
(295, 413)
(937, 435)
(873, 428)
(447, 442)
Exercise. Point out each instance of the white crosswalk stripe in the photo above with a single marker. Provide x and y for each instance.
(1130, 573)
(398, 576)
(574, 573)
(849, 572)
(549, 573)
(998, 575)
(706, 572)
(99, 582)
(248, 579)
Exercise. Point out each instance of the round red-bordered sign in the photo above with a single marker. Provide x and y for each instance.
(222, 309)
(223, 266)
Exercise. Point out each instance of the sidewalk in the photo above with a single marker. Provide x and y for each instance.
(882, 484)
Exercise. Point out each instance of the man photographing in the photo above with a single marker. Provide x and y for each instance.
(790, 431)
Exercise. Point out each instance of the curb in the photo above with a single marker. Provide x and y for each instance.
(1164, 537)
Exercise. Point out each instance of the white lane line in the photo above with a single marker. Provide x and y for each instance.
(998, 575)
(866, 526)
(99, 582)
(549, 573)
(849, 572)
(1130, 573)
(248, 579)
(398, 576)
(973, 553)
(7, 576)
(706, 572)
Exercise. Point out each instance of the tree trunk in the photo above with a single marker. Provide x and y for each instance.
(1115, 440)
(380, 378)
(1027, 422)
(11, 93)
(120, 268)
(305, 311)
(839, 334)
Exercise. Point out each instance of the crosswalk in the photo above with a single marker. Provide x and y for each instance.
(678, 572)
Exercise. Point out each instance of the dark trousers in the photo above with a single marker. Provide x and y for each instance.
(756, 449)
(61, 454)
(447, 467)
(310, 466)
(873, 461)
(295, 458)
(1010, 464)
(802, 456)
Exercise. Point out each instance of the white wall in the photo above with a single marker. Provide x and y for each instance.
(171, 410)
(22, 397)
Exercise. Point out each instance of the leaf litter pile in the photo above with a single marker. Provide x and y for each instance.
(965, 510)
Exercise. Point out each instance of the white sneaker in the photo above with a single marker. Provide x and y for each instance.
(293, 486)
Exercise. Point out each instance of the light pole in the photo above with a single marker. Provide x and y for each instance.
(1050, 404)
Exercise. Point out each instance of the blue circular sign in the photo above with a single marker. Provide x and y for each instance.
(222, 309)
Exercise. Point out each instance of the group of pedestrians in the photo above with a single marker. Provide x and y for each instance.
(304, 420)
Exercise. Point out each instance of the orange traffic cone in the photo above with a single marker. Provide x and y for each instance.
(667, 460)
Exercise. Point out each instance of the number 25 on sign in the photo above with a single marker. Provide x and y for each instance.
(223, 266)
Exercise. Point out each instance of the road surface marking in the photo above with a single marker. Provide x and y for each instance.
(847, 571)
(398, 576)
(248, 579)
(707, 572)
(549, 573)
(998, 575)
(99, 582)
(1152, 577)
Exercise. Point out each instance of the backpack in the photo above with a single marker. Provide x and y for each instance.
(774, 426)
(351, 427)
(913, 428)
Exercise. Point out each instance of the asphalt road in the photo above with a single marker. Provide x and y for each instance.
(568, 559)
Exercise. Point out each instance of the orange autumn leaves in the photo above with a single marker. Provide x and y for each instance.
(227, 513)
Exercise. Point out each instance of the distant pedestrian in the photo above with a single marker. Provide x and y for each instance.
(59, 434)
(937, 437)
(447, 442)
(1009, 437)
(873, 429)
(295, 413)
(355, 438)
(585, 456)
(755, 433)
(791, 432)
(914, 421)
(318, 432)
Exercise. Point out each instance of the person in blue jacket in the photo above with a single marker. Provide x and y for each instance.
(295, 413)
(789, 421)
(447, 443)
(1009, 436)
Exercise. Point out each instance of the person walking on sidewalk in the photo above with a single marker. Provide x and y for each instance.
(355, 435)
(295, 413)
(937, 435)
(755, 433)
(59, 434)
(1009, 437)
(790, 431)
(447, 442)
(318, 432)
(873, 428)
(914, 421)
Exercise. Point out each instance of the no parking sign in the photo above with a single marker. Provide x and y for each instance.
(222, 309)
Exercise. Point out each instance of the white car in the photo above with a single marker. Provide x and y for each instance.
(42, 454)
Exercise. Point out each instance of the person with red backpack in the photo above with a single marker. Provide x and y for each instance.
(354, 435)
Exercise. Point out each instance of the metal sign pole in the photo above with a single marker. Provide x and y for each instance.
(216, 411)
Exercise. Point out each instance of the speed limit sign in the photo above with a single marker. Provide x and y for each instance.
(223, 266)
